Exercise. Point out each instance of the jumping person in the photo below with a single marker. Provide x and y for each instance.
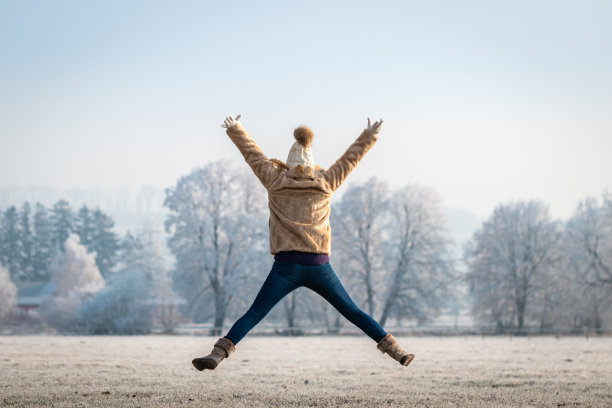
(299, 197)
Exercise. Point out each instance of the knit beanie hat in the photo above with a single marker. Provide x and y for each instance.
(300, 152)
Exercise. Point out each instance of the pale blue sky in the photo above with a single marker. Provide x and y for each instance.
(485, 101)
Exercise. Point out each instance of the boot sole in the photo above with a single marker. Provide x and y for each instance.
(202, 363)
(406, 360)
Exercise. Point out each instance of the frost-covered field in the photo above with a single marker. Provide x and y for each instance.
(305, 371)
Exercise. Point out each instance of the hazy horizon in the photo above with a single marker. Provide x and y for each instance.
(484, 102)
(128, 205)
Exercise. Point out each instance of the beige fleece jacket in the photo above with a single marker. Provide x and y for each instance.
(299, 198)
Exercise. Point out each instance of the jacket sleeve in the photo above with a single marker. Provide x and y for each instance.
(338, 171)
(259, 163)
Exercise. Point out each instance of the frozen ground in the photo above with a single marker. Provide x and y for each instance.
(156, 371)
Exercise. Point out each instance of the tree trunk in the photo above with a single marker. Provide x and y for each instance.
(220, 309)
(520, 313)
(385, 314)
(596, 320)
(370, 294)
(335, 329)
(290, 307)
(393, 293)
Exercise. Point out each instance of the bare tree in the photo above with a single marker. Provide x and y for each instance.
(588, 246)
(358, 228)
(420, 268)
(217, 225)
(489, 292)
(510, 261)
(590, 234)
(161, 295)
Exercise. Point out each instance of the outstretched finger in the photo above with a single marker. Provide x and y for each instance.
(238, 117)
(369, 122)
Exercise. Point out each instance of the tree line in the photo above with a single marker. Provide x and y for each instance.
(28, 241)
(391, 248)
(102, 283)
(523, 267)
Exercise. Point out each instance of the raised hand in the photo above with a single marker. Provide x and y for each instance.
(375, 127)
(230, 121)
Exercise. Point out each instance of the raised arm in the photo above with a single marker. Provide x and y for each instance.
(338, 171)
(259, 163)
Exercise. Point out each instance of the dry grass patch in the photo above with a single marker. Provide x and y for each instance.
(156, 371)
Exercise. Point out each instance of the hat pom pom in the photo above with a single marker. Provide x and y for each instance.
(303, 135)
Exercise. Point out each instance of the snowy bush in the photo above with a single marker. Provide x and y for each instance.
(139, 293)
(76, 277)
(121, 307)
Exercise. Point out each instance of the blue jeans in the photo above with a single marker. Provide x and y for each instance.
(286, 277)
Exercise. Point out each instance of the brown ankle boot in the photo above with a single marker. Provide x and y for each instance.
(389, 345)
(222, 349)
